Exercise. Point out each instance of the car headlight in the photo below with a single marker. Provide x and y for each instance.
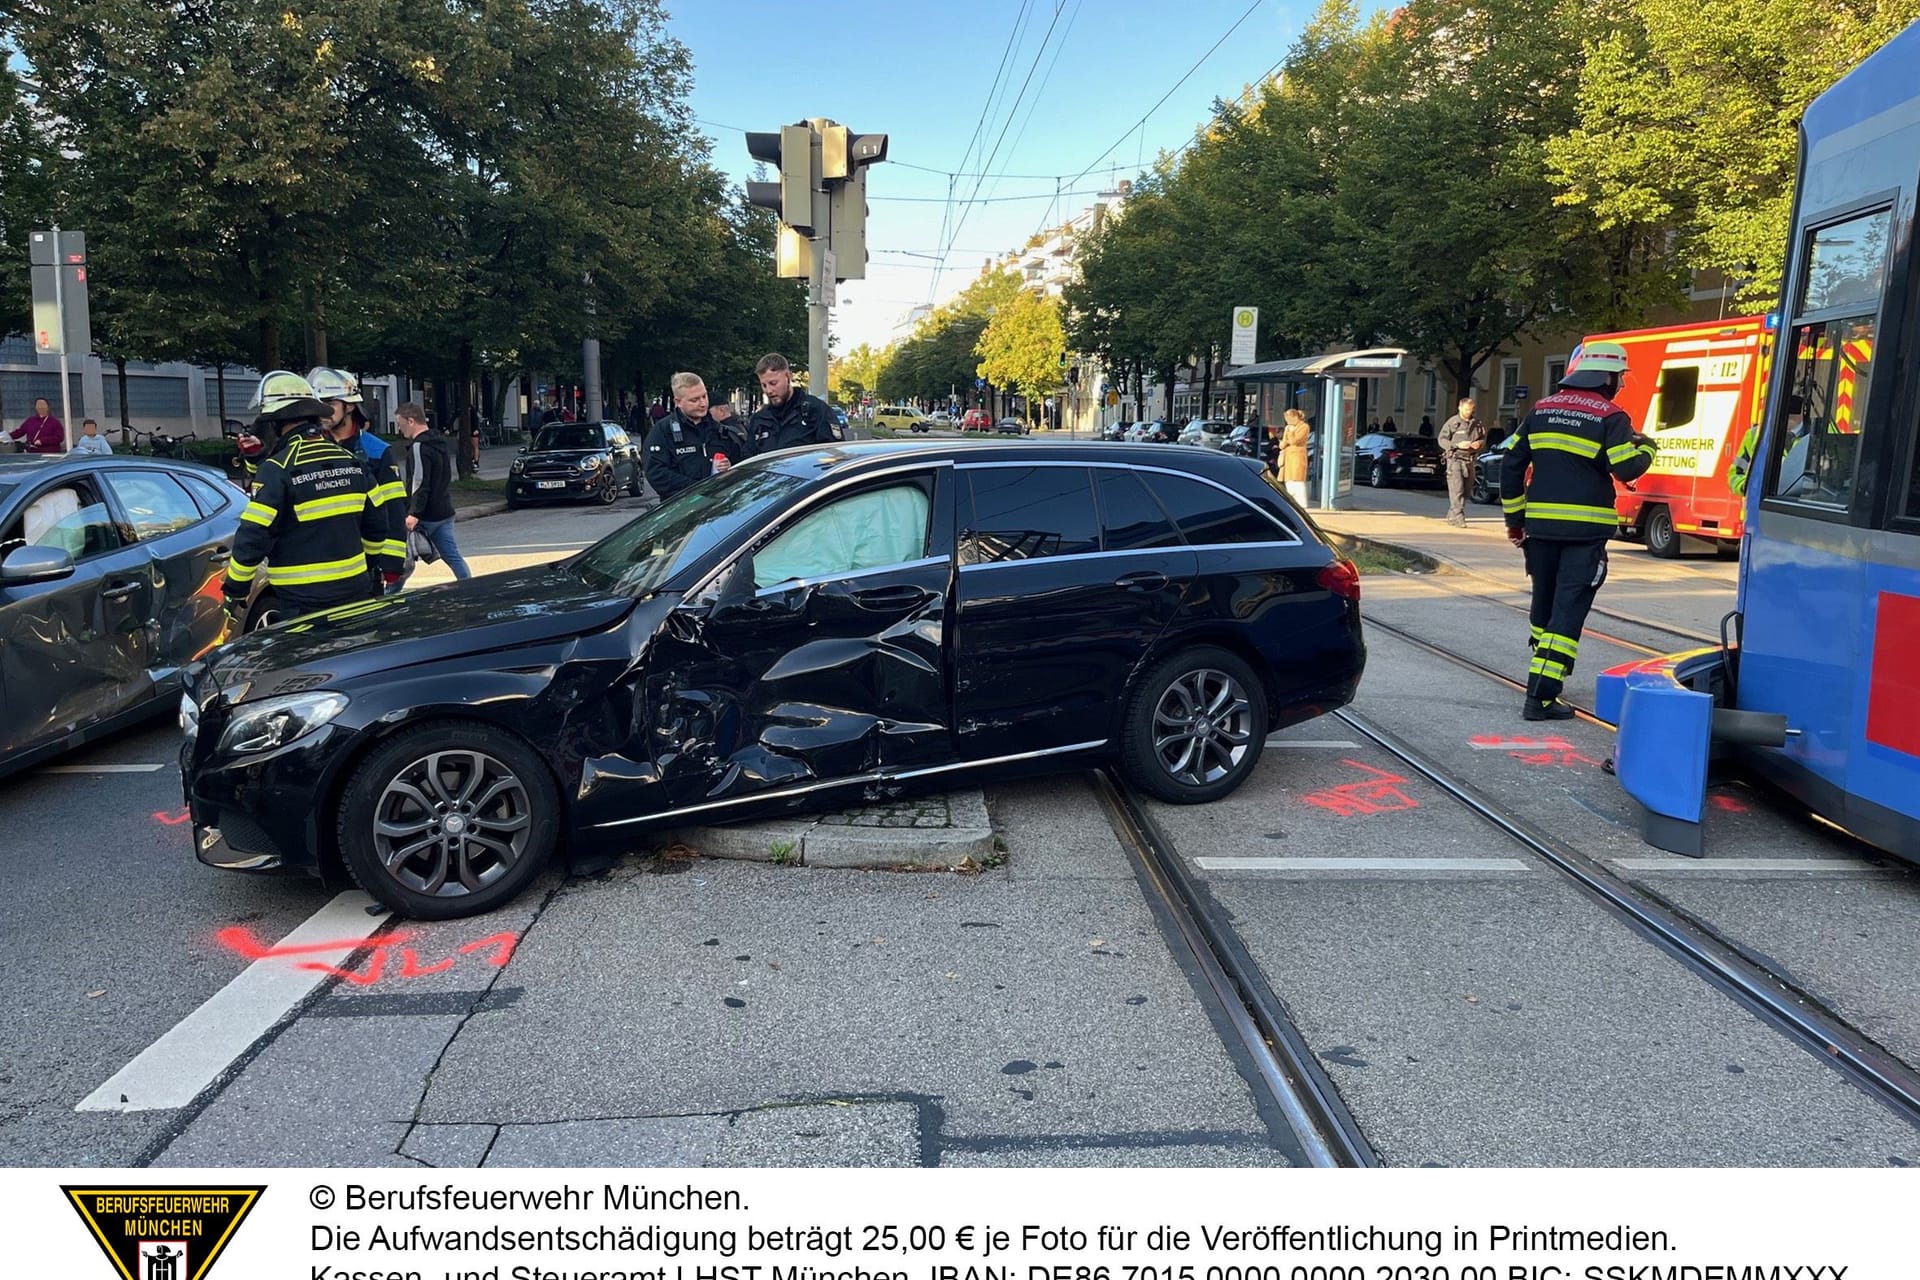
(588, 464)
(519, 465)
(189, 716)
(275, 722)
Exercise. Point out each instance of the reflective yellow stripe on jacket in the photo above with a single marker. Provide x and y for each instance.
(307, 574)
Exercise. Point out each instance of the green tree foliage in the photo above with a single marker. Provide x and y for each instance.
(26, 196)
(440, 189)
(1686, 121)
(937, 359)
(1024, 346)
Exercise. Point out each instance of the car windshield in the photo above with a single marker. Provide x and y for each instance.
(635, 560)
(571, 435)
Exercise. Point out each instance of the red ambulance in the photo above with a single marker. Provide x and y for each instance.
(1694, 389)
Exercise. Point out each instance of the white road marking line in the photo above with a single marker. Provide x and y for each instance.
(1314, 744)
(1361, 864)
(103, 768)
(1736, 865)
(173, 1070)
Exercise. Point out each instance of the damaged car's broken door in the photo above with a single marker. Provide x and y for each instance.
(821, 656)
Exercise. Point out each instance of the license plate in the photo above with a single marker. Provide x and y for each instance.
(1421, 471)
(550, 484)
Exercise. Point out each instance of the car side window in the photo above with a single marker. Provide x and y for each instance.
(867, 530)
(1025, 513)
(154, 503)
(1210, 516)
(1131, 519)
(68, 516)
(207, 494)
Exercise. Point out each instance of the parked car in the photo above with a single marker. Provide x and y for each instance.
(787, 634)
(899, 417)
(1486, 475)
(1011, 427)
(943, 420)
(1207, 432)
(570, 461)
(1240, 442)
(1383, 458)
(110, 574)
(976, 420)
(1150, 431)
(1115, 431)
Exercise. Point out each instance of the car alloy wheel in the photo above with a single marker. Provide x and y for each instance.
(1195, 726)
(609, 492)
(1201, 728)
(448, 820)
(1662, 541)
(1382, 475)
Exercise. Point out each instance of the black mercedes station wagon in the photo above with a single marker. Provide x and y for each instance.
(811, 626)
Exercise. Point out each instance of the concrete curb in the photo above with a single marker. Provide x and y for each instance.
(812, 840)
(1345, 543)
(480, 510)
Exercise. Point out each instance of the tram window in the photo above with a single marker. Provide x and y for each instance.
(1845, 264)
(1832, 375)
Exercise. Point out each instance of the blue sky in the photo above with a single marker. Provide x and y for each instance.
(921, 71)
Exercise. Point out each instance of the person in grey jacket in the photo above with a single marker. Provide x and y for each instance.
(429, 458)
(1461, 439)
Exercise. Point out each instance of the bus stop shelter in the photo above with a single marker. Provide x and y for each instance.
(1334, 392)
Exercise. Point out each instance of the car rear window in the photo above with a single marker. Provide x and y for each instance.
(1025, 513)
(1130, 517)
(1210, 516)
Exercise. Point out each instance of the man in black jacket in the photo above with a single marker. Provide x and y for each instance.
(687, 446)
(430, 486)
(790, 417)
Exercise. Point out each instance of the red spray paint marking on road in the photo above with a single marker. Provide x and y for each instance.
(241, 942)
(171, 819)
(1380, 793)
(1553, 750)
(1728, 804)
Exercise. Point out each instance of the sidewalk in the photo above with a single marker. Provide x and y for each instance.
(1689, 594)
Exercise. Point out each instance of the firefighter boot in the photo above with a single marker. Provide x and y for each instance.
(1546, 709)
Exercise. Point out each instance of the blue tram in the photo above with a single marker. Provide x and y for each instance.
(1816, 686)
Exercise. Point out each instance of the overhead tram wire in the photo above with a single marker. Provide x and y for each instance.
(1018, 98)
(979, 131)
(1141, 122)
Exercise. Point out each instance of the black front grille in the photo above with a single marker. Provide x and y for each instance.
(246, 835)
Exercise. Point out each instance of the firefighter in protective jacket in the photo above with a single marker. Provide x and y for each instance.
(345, 423)
(310, 528)
(1577, 441)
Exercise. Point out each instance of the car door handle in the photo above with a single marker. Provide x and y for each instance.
(1143, 580)
(895, 597)
(120, 592)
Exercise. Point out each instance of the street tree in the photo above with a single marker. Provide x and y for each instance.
(1024, 346)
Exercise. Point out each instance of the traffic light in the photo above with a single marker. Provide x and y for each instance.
(821, 195)
(791, 153)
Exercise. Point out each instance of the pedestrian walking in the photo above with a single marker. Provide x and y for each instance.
(91, 441)
(1296, 439)
(310, 527)
(1462, 438)
(42, 433)
(687, 446)
(429, 509)
(790, 416)
(1577, 442)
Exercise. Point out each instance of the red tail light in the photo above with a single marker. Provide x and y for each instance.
(1341, 578)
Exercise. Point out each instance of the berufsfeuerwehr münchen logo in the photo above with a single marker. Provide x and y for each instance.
(163, 1233)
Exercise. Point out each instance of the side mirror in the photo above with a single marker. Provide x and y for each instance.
(35, 564)
(738, 584)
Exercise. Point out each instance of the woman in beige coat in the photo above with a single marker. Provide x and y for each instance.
(1294, 439)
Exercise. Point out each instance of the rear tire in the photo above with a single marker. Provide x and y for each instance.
(1194, 727)
(1481, 493)
(1380, 476)
(1657, 528)
(448, 820)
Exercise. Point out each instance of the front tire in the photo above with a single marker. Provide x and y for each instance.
(448, 820)
(636, 484)
(1194, 727)
(1482, 492)
(1658, 530)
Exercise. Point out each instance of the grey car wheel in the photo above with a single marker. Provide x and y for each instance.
(448, 820)
(1195, 727)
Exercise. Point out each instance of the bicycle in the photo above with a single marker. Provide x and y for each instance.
(161, 445)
